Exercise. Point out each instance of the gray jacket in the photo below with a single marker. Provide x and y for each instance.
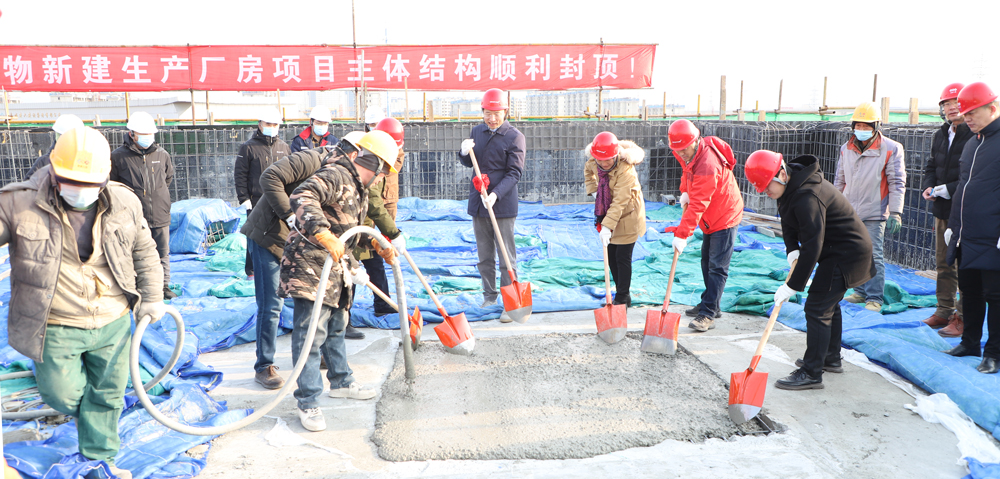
(874, 180)
(30, 224)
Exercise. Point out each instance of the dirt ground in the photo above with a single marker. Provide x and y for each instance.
(857, 427)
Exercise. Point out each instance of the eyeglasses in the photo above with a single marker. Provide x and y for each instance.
(494, 114)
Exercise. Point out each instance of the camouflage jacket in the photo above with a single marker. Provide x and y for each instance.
(333, 198)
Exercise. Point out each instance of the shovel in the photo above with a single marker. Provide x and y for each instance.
(612, 319)
(516, 296)
(416, 320)
(746, 389)
(660, 334)
(455, 333)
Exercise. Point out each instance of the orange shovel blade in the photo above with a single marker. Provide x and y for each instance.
(746, 395)
(612, 322)
(416, 327)
(517, 300)
(456, 334)
(660, 334)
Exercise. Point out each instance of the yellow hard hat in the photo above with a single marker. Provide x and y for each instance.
(82, 155)
(867, 112)
(382, 145)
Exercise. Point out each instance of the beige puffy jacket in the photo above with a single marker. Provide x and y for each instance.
(627, 214)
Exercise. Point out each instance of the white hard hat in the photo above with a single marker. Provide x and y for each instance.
(269, 115)
(140, 122)
(320, 113)
(373, 115)
(66, 123)
(353, 138)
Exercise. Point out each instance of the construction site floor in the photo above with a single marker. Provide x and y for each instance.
(856, 427)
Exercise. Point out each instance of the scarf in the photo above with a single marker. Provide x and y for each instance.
(603, 201)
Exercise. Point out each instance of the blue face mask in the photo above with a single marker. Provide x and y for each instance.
(320, 130)
(863, 135)
(144, 141)
(269, 130)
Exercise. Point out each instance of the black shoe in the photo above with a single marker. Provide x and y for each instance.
(828, 366)
(989, 365)
(625, 299)
(961, 351)
(379, 315)
(353, 333)
(168, 293)
(799, 380)
(695, 311)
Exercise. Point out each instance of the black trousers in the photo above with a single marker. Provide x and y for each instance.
(161, 236)
(981, 287)
(375, 267)
(620, 264)
(824, 325)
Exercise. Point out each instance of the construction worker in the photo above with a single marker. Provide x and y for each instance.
(620, 211)
(712, 200)
(62, 124)
(326, 205)
(973, 234)
(390, 193)
(254, 156)
(940, 183)
(499, 149)
(142, 165)
(872, 175)
(821, 230)
(317, 134)
(82, 257)
(373, 115)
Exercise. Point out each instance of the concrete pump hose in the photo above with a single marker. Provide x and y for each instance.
(291, 381)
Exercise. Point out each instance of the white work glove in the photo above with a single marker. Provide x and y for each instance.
(490, 200)
(155, 311)
(359, 276)
(399, 243)
(941, 191)
(467, 145)
(684, 199)
(794, 255)
(291, 221)
(605, 235)
(246, 204)
(679, 244)
(947, 236)
(783, 294)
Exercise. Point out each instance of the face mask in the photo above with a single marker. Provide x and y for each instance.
(269, 131)
(320, 130)
(144, 141)
(863, 135)
(78, 197)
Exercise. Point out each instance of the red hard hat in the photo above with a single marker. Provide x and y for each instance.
(974, 96)
(681, 134)
(951, 92)
(393, 127)
(761, 167)
(494, 100)
(605, 146)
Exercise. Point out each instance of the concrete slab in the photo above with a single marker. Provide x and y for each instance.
(856, 427)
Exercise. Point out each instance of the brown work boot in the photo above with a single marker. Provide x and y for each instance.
(268, 377)
(954, 328)
(936, 322)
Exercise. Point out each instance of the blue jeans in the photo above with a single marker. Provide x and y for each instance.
(329, 341)
(716, 251)
(874, 289)
(265, 283)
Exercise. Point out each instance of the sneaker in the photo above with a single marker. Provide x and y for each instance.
(874, 306)
(354, 391)
(954, 328)
(828, 366)
(702, 324)
(799, 380)
(268, 377)
(488, 302)
(312, 419)
(695, 311)
(855, 298)
(936, 322)
(352, 333)
(119, 473)
(505, 318)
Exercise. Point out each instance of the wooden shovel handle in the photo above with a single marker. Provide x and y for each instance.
(423, 280)
(673, 269)
(382, 295)
(772, 319)
(607, 274)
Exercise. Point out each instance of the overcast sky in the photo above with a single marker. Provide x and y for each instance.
(915, 47)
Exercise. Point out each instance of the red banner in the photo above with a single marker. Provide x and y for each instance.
(269, 68)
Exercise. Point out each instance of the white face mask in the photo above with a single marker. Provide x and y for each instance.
(144, 141)
(79, 197)
(320, 130)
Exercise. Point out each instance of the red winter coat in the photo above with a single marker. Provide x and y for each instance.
(716, 203)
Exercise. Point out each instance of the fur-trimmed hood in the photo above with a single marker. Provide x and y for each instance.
(627, 150)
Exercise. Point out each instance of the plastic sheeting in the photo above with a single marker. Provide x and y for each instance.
(190, 222)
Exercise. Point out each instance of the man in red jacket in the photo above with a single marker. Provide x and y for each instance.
(713, 202)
